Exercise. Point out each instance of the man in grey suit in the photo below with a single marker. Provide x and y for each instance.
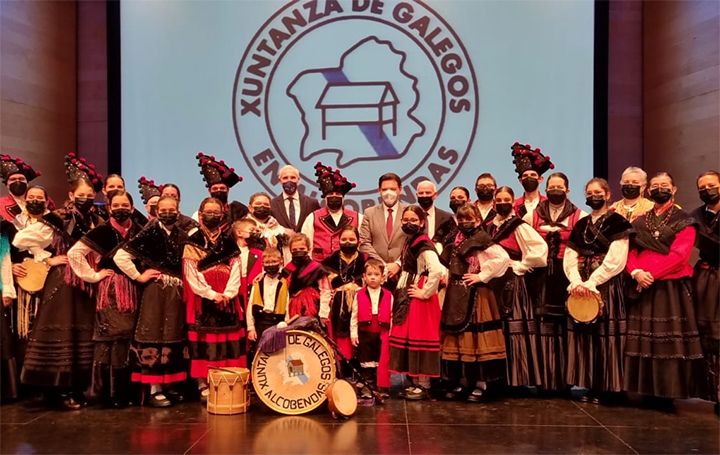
(381, 235)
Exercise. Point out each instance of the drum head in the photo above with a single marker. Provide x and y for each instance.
(37, 272)
(583, 309)
(343, 397)
(294, 380)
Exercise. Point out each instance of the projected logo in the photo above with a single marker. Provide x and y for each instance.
(366, 86)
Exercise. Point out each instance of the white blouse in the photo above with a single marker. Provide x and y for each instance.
(533, 247)
(79, 262)
(613, 264)
(34, 239)
(8, 283)
(429, 261)
(199, 286)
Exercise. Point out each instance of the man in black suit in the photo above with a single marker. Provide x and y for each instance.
(291, 208)
(426, 194)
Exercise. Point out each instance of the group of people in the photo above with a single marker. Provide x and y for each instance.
(465, 304)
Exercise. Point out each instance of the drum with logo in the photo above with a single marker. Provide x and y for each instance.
(229, 392)
(293, 380)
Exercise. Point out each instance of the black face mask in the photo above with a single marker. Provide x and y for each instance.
(211, 221)
(35, 207)
(349, 248)
(709, 196)
(556, 197)
(485, 194)
(18, 188)
(168, 219)
(467, 228)
(456, 204)
(153, 210)
(595, 202)
(661, 195)
(300, 257)
(272, 270)
(411, 229)
(504, 209)
(256, 241)
(221, 196)
(530, 184)
(289, 187)
(334, 202)
(630, 191)
(261, 213)
(425, 202)
(120, 215)
(83, 204)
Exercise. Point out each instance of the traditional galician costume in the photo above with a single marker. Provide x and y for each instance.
(159, 353)
(13, 204)
(216, 331)
(60, 350)
(322, 226)
(707, 293)
(472, 342)
(345, 279)
(663, 354)
(595, 258)
(115, 308)
(214, 172)
(309, 288)
(372, 311)
(527, 250)
(414, 336)
(548, 286)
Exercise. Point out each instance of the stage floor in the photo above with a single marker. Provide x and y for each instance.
(512, 425)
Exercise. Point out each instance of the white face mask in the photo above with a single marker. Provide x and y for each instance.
(389, 197)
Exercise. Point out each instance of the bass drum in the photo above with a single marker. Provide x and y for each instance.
(293, 380)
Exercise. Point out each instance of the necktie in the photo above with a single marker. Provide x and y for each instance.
(427, 223)
(389, 224)
(291, 213)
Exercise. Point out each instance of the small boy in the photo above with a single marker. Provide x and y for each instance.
(268, 302)
(371, 325)
(251, 246)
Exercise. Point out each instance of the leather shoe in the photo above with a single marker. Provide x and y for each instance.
(477, 396)
(174, 396)
(454, 394)
(418, 393)
(159, 400)
(68, 403)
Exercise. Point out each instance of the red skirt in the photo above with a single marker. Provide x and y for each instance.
(415, 344)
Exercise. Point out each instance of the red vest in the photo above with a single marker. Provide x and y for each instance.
(511, 246)
(564, 232)
(362, 300)
(326, 239)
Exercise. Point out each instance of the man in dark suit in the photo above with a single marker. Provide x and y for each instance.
(291, 208)
(426, 193)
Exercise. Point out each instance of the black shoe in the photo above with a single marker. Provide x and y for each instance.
(79, 397)
(455, 394)
(159, 400)
(477, 396)
(417, 394)
(174, 396)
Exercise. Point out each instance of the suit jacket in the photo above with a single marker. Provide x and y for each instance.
(278, 211)
(373, 236)
(441, 216)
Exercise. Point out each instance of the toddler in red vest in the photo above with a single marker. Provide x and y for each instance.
(370, 333)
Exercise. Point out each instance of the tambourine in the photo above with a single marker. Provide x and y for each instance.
(342, 398)
(37, 272)
(584, 309)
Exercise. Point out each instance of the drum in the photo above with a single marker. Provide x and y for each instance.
(37, 272)
(584, 309)
(342, 398)
(293, 380)
(229, 392)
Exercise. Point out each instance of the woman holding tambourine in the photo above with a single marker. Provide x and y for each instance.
(594, 260)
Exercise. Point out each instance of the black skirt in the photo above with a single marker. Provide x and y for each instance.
(8, 365)
(595, 356)
(60, 347)
(663, 356)
(159, 352)
(706, 285)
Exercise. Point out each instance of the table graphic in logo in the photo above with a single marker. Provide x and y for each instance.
(363, 85)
